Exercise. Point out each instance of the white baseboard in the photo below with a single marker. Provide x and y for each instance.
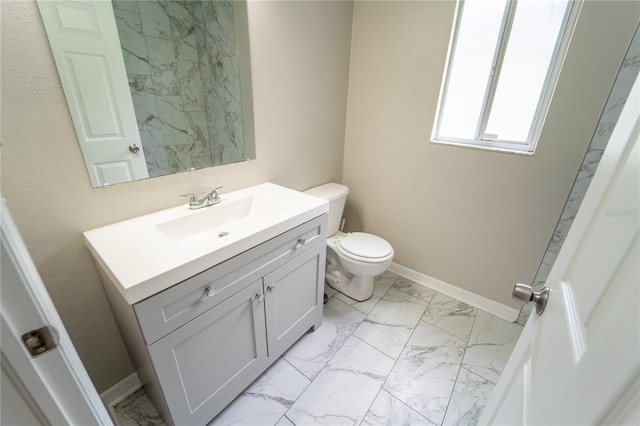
(118, 392)
(498, 309)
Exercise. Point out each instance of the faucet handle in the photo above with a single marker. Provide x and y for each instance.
(193, 199)
(214, 193)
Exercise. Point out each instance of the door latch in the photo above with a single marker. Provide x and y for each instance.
(41, 340)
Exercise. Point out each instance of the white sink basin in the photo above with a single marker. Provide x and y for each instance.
(219, 220)
(150, 253)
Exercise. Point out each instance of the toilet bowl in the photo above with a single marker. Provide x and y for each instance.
(353, 259)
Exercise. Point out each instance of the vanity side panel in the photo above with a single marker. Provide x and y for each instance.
(130, 330)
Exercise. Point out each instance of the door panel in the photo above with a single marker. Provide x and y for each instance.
(85, 45)
(583, 354)
(53, 386)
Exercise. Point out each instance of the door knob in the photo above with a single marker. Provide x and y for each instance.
(134, 148)
(525, 294)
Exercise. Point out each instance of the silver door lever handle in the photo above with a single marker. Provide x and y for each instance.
(524, 293)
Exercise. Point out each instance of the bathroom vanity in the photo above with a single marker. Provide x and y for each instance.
(248, 284)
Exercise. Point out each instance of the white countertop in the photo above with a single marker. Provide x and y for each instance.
(148, 254)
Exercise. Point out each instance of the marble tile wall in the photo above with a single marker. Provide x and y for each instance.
(182, 66)
(617, 98)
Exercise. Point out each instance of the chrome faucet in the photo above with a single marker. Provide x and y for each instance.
(207, 199)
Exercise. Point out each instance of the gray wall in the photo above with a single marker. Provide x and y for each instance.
(475, 219)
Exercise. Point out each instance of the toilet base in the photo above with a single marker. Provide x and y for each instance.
(357, 287)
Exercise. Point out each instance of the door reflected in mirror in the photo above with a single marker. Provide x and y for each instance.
(172, 77)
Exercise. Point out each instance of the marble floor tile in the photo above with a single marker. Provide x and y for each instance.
(414, 289)
(381, 284)
(451, 315)
(490, 345)
(329, 291)
(391, 322)
(345, 389)
(312, 352)
(267, 399)
(470, 396)
(138, 410)
(390, 411)
(342, 373)
(284, 421)
(425, 374)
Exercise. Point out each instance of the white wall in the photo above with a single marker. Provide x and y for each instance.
(300, 59)
(476, 219)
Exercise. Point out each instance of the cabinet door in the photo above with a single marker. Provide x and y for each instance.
(294, 298)
(202, 363)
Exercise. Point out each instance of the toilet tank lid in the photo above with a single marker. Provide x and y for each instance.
(328, 191)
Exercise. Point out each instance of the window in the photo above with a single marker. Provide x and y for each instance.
(504, 61)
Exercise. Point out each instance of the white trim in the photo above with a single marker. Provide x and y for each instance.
(118, 392)
(483, 147)
(498, 309)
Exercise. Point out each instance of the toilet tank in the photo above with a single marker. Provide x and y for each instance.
(336, 195)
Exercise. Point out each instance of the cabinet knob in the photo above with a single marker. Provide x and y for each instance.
(260, 297)
(209, 291)
(301, 242)
(271, 288)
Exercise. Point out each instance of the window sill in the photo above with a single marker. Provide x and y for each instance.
(484, 148)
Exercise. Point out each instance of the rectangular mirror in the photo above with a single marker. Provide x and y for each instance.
(154, 87)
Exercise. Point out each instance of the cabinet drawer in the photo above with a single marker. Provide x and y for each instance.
(164, 312)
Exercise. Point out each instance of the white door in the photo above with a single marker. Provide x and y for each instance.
(86, 48)
(579, 362)
(50, 388)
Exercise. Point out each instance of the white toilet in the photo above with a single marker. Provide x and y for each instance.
(353, 259)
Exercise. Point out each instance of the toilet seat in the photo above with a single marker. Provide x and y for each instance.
(364, 247)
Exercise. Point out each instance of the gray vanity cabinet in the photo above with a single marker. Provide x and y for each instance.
(210, 356)
(198, 344)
